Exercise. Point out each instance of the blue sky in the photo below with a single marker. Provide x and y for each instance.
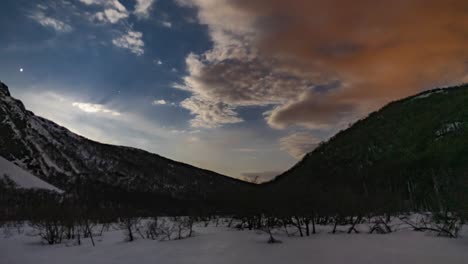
(244, 88)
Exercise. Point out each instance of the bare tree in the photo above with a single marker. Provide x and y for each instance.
(131, 226)
(50, 230)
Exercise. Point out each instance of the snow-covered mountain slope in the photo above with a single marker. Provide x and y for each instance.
(62, 158)
(22, 178)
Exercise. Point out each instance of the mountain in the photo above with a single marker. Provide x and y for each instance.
(65, 160)
(22, 178)
(410, 155)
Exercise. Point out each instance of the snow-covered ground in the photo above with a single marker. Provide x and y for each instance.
(224, 245)
(23, 178)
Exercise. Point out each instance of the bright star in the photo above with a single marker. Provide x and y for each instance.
(21, 69)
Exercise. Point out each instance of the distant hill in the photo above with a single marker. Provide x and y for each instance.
(410, 155)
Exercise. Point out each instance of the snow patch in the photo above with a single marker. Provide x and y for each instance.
(425, 95)
(450, 127)
(23, 178)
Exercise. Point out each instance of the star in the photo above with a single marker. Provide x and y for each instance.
(21, 69)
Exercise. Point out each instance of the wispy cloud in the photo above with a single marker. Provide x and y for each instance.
(115, 4)
(143, 7)
(163, 102)
(131, 40)
(50, 22)
(166, 24)
(247, 150)
(95, 108)
(113, 11)
(299, 144)
(209, 114)
(160, 102)
(110, 15)
(42, 7)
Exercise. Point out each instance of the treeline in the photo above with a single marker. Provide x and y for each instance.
(90, 209)
(81, 214)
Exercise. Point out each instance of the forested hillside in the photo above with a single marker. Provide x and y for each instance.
(412, 155)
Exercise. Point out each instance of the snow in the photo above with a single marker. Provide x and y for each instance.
(23, 178)
(221, 245)
(427, 94)
(450, 127)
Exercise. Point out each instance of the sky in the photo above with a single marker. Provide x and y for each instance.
(241, 87)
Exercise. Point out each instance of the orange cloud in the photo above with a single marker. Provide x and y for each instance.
(383, 50)
(378, 50)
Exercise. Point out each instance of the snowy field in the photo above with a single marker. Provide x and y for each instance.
(227, 245)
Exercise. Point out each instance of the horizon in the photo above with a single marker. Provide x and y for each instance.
(246, 95)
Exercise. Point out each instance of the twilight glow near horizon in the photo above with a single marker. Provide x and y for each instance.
(241, 87)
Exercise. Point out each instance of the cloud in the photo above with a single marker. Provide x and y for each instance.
(236, 82)
(131, 40)
(159, 102)
(143, 7)
(110, 15)
(192, 139)
(94, 108)
(50, 22)
(113, 10)
(259, 177)
(91, 2)
(163, 102)
(209, 114)
(42, 7)
(115, 4)
(176, 131)
(167, 24)
(247, 150)
(298, 144)
(311, 110)
(272, 52)
(240, 83)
